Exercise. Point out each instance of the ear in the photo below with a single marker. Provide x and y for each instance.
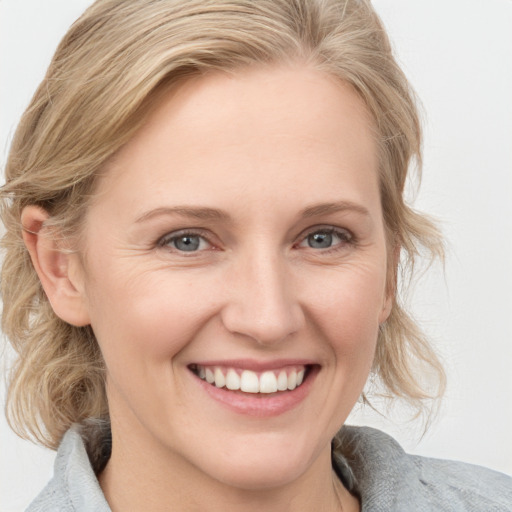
(61, 272)
(391, 284)
(387, 306)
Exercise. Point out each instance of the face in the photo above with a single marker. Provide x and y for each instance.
(235, 270)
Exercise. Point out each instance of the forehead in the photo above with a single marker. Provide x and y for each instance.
(253, 134)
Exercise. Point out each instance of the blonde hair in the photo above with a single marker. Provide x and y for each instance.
(97, 92)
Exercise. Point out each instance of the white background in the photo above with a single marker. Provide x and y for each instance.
(458, 55)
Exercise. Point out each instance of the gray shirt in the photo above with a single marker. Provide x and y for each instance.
(370, 463)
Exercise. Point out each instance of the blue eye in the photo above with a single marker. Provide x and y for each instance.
(320, 240)
(326, 239)
(187, 243)
(184, 242)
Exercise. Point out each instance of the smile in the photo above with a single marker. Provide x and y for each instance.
(248, 381)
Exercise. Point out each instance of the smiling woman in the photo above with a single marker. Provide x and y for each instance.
(205, 222)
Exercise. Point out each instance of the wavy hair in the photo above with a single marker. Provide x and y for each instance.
(99, 88)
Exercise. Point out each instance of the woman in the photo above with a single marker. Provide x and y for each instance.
(209, 198)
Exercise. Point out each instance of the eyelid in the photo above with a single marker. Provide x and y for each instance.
(164, 241)
(341, 232)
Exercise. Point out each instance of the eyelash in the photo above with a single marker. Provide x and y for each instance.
(169, 238)
(344, 235)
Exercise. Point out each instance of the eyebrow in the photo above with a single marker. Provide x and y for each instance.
(339, 206)
(206, 213)
(200, 213)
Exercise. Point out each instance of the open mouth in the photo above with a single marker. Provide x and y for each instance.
(248, 381)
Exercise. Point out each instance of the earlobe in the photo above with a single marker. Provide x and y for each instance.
(60, 271)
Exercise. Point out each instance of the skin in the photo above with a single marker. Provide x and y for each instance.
(263, 146)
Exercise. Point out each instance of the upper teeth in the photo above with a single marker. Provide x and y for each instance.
(252, 382)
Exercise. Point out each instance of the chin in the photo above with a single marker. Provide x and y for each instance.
(258, 476)
(260, 464)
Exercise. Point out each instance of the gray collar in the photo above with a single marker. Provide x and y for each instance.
(370, 463)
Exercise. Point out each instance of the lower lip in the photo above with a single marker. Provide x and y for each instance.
(260, 404)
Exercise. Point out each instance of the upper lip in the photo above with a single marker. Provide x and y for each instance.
(256, 365)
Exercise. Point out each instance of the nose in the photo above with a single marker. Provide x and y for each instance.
(262, 302)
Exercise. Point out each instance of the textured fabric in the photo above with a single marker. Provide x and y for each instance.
(74, 486)
(388, 479)
(370, 463)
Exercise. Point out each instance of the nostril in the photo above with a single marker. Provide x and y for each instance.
(262, 328)
(265, 311)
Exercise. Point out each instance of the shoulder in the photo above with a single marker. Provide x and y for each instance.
(467, 484)
(74, 486)
(387, 478)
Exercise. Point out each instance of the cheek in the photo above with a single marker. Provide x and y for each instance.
(346, 306)
(142, 323)
(147, 317)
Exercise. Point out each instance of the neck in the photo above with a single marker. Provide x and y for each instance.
(140, 477)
